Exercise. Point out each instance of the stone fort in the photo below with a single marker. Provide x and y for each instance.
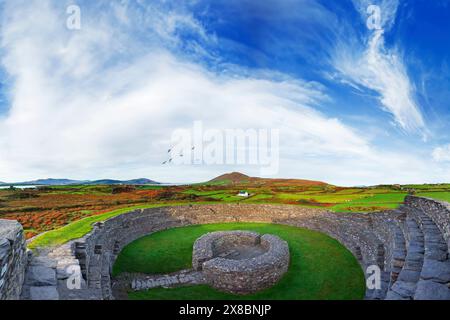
(409, 245)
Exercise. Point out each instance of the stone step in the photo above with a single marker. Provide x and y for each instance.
(392, 295)
(40, 279)
(401, 290)
(398, 254)
(40, 276)
(435, 245)
(42, 261)
(431, 290)
(438, 271)
(435, 273)
(405, 286)
(44, 293)
(380, 294)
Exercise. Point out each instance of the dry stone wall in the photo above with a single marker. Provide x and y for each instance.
(13, 260)
(439, 211)
(241, 276)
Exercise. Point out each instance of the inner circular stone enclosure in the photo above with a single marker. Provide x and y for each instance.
(241, 262)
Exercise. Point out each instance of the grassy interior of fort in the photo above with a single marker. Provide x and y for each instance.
(320, 268)
(64, 213)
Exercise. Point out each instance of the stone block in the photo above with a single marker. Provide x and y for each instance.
(41, 276)
(44, 293)
(436, 270)
(430, 290)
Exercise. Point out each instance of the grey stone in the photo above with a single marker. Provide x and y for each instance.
(414, 264)
(9, 229)
(405, 289)
(430, 290)
(43, 261)
(436, 270)
(41, 276)
(414, 257)
(5, 248)
(392, 295)
(44, 293)
(399, 255)
(416, 248)
(13, 259)
(409, 275)
(436, 254)
(260, 263)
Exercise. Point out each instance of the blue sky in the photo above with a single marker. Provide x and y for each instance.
(354, 106)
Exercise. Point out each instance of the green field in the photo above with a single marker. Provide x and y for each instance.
(444, 196)
(378, 201)
(321, 268)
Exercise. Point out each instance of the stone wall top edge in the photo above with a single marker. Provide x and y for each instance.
(9, 229)
(440, 202)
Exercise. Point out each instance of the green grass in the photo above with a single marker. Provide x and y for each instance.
(80, 190)
(321, 268)
(150, 187)
(379, 201)
(443, 196)
(321, 198)
(259, 197)
(429, 187)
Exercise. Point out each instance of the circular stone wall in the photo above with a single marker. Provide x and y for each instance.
(241, 262)
(98, 250)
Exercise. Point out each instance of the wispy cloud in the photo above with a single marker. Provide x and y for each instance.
(372, 65)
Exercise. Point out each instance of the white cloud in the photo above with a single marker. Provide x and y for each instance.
(442, 153)
(104, 101)
(380, 69)
(388, 10)
(75, 112)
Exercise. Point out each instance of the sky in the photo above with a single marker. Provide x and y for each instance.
(357, 98)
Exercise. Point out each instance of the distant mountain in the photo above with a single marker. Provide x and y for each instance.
(140, 181)
(240, 178)
(50, 182)
(104, 181)
(65, 182)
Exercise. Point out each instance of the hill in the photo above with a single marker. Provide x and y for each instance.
(140, 181)
(240, 178)
(234, 177)
(50, 182)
